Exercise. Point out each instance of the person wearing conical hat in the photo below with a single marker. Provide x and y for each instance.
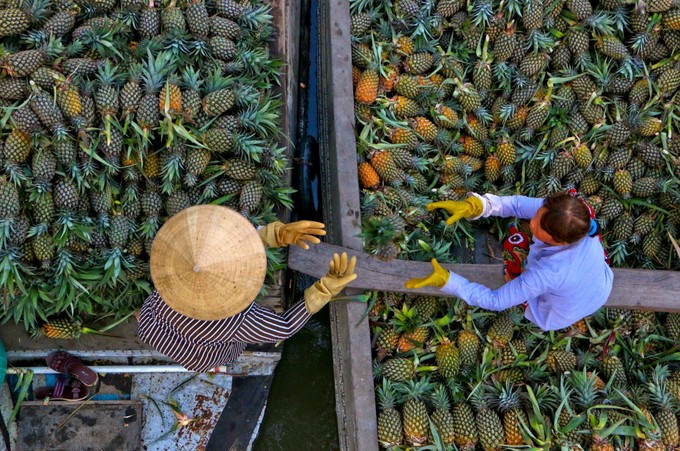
(208, 264)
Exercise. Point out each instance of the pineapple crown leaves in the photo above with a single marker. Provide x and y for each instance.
(660, 396)
(191, 78)
(416, 389)
(377, 232)
(108, 75)
(155, 69)
(439, 398)
(256, 17)
(263, 117)
(406, 319)
(388, 396)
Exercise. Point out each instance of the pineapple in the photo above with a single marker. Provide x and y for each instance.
(398, 369)
(153, 72)
(49, 114)
(25, 62)
(468, 345)
(170, 98)
(384, 165)
(148, 22)
(387, 341)
(415, 417)
(508, 402)
(448, 358)
(561, 361)
(464, 426)
(131, 92)
(250, 197)
(172, 19)
(9, 200)
(662, 400)
(489, 425)
(505, 151)
(390, 429)
(197, 18)
(368, 177)
(17, 146)
(501, 331)
(106, 97)
(613, 370)
(441, 416)
(61, 328)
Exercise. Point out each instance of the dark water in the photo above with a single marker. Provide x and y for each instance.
(300, 411)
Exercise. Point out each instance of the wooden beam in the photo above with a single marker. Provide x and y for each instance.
(633, 288)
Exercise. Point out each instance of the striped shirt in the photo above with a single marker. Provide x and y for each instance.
(200, 345)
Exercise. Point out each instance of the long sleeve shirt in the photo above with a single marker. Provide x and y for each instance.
(561, 284)
(200, 345)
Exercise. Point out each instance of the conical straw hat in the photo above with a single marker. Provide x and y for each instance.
(208, 262)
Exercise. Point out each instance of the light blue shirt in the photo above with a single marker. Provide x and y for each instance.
(561, 284)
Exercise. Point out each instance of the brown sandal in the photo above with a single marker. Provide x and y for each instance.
(62, 391)
(64, 362)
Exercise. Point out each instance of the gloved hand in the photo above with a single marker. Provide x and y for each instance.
(438, 278)
(469, 208)
(341, 273)
(277, 234)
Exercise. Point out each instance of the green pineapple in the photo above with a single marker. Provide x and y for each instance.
(251, 196)
(66, 195)
(239, 170)
(533, 64)
(644, 224)
(447, 8)
(148, 22)
(560, 361)
(562, 164)
(398, 369)
(61, 22)
(613, 369)
(489, 425)
(390, 429)
(43, 248)
(623, 227)
(222, 48)
(646, 186)
(582, 9)
(106, 97)
(197, 18)
(468, 97)
(25, 62)
(447, 357)
(196, 162)
(501, 330)
(131, 92)
(172, 18)
(176, 202)
(17, 146)
(119, 230)
(418, 62)
(9, 200)
(663, 401)
(153, 72)
(441, 416)
(387, 340)
(49, 114)
(673, 326)
(416, 420)
(466, 435)
(220, 26)
(589, 185)
(229, 9)
(219, 98)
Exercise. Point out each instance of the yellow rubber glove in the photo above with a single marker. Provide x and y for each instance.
(438, 278)
(340, 275)
(277, 234)
(469, 208)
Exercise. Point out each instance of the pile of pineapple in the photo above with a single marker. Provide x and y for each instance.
(447, 374)
(117, 114)
(518, 97)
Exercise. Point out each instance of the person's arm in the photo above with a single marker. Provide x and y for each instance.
(522, 207)
(262, 325)
(529, 285)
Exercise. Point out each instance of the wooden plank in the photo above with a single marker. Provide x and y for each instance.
(96, 424)
(633, 288)
(354, 393)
